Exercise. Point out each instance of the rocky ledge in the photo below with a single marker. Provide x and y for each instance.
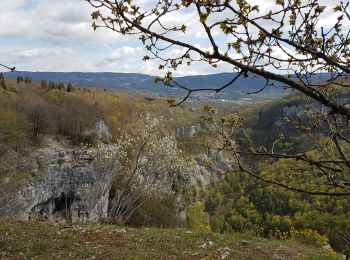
(66, 183)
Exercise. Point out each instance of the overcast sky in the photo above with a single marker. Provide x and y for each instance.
(56, 35)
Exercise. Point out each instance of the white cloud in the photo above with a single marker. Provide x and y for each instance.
(57, 35)
(46, 59)
(58, 22)
(125, 52)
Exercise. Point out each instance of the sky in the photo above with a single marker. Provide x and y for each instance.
(56, 35)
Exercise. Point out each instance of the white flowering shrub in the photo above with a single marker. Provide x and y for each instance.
(146, 161)
(107, 158)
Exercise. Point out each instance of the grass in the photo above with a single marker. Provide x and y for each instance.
(36, 240)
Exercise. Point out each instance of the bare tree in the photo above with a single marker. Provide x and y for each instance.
(346, 238)
(291, 45)
(37, 118)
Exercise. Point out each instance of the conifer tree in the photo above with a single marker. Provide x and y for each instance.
(2, 82)
(69, 87)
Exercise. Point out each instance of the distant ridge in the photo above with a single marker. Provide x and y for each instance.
(145, 83)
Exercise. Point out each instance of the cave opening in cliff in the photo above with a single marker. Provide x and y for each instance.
(63, 205)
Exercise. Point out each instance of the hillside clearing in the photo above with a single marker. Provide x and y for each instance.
(36, 240)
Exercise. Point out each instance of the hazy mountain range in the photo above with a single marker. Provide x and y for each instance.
(145, 83)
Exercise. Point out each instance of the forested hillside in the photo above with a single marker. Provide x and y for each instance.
(35, 108)
(240, 202)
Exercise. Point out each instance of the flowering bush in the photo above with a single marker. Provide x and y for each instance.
(145, 160)
(308, 236)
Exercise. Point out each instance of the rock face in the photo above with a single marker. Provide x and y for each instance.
(102, 130)
(211, 168)
(67, 183)
(190, 131)
(187, 131)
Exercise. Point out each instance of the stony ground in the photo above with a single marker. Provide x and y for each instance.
(36, 240)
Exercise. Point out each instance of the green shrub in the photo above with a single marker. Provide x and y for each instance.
(157, 211)
(56, 95)
(307, 236)
(196, 218)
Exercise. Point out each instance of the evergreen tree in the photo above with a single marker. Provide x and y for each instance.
(27, 80)
(69, 87)
(44, 84)
(52, 85)
(60, 86)
(2, 82)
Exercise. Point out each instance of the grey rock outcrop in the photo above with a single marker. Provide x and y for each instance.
(190, 131)
(99, 134)
(212, 167)
(102, 130)
(67, 182)
(187, 131)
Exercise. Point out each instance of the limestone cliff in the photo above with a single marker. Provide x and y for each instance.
(67, 182)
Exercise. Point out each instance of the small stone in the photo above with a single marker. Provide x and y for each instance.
(120, 231)
(244, 242)
(207, 245)
(203, 246)
(224, 253)
(327, 247)
(278, 257)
